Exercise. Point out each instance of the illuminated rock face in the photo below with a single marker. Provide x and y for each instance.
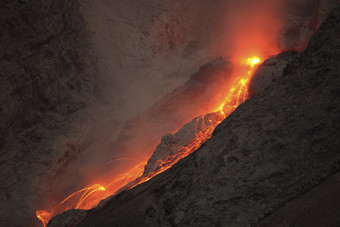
(48, 77)
(274, 147)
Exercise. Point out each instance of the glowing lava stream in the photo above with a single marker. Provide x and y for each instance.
(89, 197)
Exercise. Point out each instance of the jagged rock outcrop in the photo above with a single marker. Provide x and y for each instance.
(173, 145)
(197, 96)
(273, 148)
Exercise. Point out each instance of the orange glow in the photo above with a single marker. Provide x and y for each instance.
(43, 216)
(89, 197)
(253, 61)
(251, 34)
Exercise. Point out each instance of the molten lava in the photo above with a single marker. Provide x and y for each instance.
(88, 197)
(236, 95)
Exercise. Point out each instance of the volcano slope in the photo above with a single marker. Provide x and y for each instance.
(274, 148)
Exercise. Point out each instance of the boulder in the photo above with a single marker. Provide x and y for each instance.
(269, 71)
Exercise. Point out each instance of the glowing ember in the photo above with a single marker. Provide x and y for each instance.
(253, 61)
(90, 196)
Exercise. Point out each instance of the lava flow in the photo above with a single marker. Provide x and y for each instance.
(237, 94)
(90, 196)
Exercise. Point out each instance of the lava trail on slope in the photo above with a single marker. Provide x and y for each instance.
(197, 132)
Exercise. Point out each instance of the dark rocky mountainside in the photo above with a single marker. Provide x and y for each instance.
(46, 78)
(275, 147)
(72, 72)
